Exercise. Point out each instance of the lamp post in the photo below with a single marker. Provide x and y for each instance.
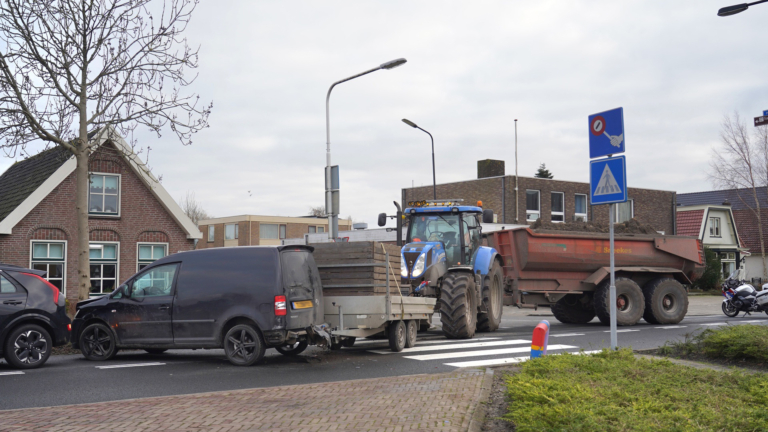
(333, 216)
(733, 10)
(434, 181)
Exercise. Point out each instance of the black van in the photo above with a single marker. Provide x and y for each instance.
(242, 299)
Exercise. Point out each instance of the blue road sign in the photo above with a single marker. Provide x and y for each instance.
(765, 113)
(608, 180)
(606, 133)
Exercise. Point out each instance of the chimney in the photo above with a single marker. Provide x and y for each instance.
(490, 168)
(726, 202)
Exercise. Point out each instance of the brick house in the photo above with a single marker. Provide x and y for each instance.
(715, 226)
(254, 230)
(551, 200)
(132, 219)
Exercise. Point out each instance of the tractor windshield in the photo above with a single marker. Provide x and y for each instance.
(437, 228)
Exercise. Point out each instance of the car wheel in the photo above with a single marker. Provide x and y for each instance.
(396, 336)
(243, 345)
(292, 349)
(97, 343)
(348, 342)
(410, 333)
(28, 346)
(155, 351)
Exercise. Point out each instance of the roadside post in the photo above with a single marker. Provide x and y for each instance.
(608, 181)
(540, 339)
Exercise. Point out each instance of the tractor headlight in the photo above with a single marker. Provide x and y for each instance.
(403, 267)
(418, 267)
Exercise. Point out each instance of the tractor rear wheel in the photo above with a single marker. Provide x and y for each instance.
(493, 299)
(665, 301)
(574, 309)
(630, 303)
(458, 306)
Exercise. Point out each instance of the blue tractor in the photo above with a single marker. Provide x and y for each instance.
(443, 257)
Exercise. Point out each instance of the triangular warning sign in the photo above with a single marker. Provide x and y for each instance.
(607, 184)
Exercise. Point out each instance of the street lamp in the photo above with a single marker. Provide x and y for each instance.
(733, 10)
(434, 182)
(333, 216)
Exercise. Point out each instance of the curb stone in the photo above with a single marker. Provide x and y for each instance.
(478, 416)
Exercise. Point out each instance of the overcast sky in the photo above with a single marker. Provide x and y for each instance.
(473, 67)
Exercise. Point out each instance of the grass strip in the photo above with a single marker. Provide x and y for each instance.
(745, 342)
(614, 391)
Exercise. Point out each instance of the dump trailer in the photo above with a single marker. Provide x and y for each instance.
(570, 272)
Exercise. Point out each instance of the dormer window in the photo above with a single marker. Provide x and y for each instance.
(104, 195)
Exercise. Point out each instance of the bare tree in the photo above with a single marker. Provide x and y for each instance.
(68, 67)
(318, 211)
(192, 208)
(741, 162)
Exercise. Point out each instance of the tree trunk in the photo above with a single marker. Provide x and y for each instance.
(81, 203)
(760, 232)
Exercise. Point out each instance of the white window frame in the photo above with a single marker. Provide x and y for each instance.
(553, 213)
(715, 230)
(282, 231)
(119, 195)
(33, 261)
(139, 261)
(93, 261)
(536, 212)
(631, 211)
(586, 207)
(211, 233)
(237, 231)
(261, 231)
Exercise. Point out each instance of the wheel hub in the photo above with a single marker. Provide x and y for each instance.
(668, 302)
(621, 303)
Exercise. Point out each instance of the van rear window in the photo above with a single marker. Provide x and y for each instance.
(299, 270)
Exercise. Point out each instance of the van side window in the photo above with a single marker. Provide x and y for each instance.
(156, 282)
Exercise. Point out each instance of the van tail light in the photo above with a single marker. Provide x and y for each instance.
(55, 290)
(280, 306)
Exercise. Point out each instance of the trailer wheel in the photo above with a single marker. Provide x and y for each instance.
(574, 309)
(630, 303)
(458, 306)
(410, 333)
(665, 301)
(493, 300)
(396, 333)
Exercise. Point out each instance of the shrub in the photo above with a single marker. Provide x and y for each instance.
(710, 279)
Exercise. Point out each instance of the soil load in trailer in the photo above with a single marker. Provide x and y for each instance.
(569, 271)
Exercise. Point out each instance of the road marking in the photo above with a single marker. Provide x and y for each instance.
(12, 373)
(621, 331)
(457, 346)
(497, 362)
(423, 342)
(482, 353)
(567, 334)
(713, 324)
(751, 321)
(129, 365)
(671, 327)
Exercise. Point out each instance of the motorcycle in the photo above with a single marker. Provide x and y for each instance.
(742, 297)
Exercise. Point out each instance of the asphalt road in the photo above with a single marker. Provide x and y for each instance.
(71, 379)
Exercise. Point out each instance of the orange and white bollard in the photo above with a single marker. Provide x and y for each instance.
(540, 339)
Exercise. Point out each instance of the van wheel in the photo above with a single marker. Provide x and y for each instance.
(630, 303)
(396, 336)
(97, 343)
(665, 301)
(155, 351)
(243, 345)
(28, 346)
(292, 349)
(410, 333)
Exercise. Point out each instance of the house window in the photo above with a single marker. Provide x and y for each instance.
(316, 229)
(558, 207)
(714, 227)
(231, 232)
(150, 252)
(104, 194)
(103, 267)
(269, 231)
(282, 231)
(50, 257)
(211, 232)
(625, 211)
(728, 260)
(580, 203)
(532, 207)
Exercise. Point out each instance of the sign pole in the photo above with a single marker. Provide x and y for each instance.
(614, 338)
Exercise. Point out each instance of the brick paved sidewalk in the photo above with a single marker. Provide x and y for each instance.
(441, 402)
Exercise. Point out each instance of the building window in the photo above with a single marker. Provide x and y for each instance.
(150, 252)
(558, 207)
(316, 229)
(268, 231)
(714, 227)
(580, 201)
(104, 194)
(282, 231)
(211, 232)
(231, 232)
(50, 257)
(728, 260)
(103, 267)
(625, 211)
(532, 205)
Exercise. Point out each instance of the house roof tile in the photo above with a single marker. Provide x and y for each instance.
(689, 222)
(24, 177)
(738, 198)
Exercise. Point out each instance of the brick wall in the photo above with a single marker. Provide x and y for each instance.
(653, 207)
(142, 219)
